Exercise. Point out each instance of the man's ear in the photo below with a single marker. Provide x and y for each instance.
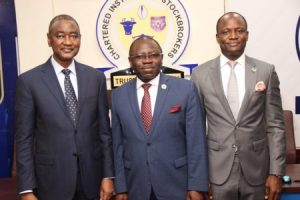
(48, 39)
(130, 62)
(217, 38)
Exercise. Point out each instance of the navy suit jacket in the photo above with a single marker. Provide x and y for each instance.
(173, 158)
(50, 149)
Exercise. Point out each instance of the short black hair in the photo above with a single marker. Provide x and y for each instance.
(144, 37)
(228, 13)
(61, 17)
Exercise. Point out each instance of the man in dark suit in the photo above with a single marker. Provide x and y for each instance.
(159, 146)
(246, 136)
(64, 147)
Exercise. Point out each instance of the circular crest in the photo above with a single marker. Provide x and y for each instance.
(120, 22)
(297, 38)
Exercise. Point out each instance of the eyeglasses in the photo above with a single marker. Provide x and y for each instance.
(145, 56)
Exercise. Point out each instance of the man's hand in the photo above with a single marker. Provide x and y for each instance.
(209, 195)
(28, 196)
(121, 196)
(273, 187)
(194, 195)
(107, 189)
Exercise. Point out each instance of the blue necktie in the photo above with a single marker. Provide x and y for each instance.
(71, 100)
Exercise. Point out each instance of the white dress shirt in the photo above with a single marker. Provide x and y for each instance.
(239, 72)
(61, 76)
(152, 91)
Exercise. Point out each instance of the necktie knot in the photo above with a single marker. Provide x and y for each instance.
(232, 64)
(146, 86)
(66, 72)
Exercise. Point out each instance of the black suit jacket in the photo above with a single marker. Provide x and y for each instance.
(50, 149)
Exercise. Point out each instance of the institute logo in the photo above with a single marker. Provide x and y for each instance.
(297, 38)
(121, 21)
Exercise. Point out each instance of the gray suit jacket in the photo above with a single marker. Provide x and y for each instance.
(50, 149)
(173, 158)
(258, 131)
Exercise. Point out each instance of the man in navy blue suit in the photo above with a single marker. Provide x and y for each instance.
(63, 152)
(162, 156)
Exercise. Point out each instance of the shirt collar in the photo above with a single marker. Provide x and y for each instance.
(153, 82)
(57, 67)
(224, 60)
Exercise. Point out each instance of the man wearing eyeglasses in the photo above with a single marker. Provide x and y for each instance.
(64, 147)
(158, 132)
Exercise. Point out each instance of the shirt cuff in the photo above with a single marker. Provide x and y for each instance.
(26, 191)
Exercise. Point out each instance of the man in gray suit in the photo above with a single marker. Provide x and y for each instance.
(242, 102)
(64, 147)
(158, 132)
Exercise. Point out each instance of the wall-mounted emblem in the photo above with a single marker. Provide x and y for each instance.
(128, 25)
(120, 21)
(297, 38)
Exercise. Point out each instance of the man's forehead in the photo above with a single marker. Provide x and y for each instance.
(64, 23)
(67, 26)
(232, 17)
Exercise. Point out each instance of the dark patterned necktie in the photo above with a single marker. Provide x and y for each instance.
(70, 96)
(233, 91)
(146, 113)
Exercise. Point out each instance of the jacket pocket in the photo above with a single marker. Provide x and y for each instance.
(44, 159)
(213, 145)
(259, 144)
(179, 162)
(127, 164)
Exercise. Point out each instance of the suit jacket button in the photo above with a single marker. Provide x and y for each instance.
(148, 143)
(75, 154)
(235, 147)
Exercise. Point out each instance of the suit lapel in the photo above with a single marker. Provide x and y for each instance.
(216, 77)
(82, 87)
(162, 92)
(132, 96)
(250, 80)
(50, 79)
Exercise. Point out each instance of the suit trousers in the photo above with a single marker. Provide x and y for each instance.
(79, 192)
(236, 187)
(152, 195)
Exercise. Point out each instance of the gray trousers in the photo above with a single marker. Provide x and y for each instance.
(236, 187)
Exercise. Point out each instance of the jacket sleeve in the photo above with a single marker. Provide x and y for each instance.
(118, 149)
(196, 143)
(275, 125)
(25, 120)
(105, 131)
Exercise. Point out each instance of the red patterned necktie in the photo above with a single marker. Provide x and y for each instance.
(146, 113)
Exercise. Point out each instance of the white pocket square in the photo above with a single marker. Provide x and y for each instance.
(260, 86)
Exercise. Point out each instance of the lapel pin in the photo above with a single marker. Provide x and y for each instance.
(253, 69)
(163, 86)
